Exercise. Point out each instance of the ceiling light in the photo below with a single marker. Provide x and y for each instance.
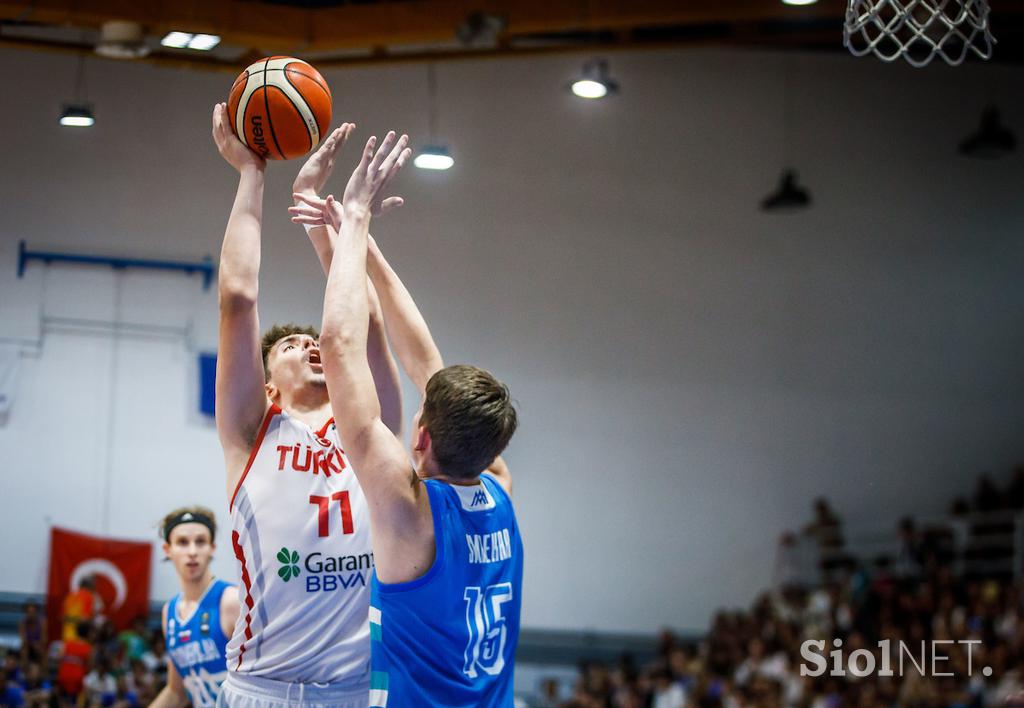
(77, 115)
(788, 197)
(204, 42)
(799, 2)
(178, 40)
(993, 139)
(594, 83)
(434, 157)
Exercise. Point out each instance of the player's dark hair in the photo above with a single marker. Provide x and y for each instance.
(278, 332)
(470, 418)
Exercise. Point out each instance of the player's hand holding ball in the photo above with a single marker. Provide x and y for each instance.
(230, 147)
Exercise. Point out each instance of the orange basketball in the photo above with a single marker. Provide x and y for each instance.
(280, 107)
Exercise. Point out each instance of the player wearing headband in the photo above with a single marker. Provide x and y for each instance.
(300, 522)
(199, 620)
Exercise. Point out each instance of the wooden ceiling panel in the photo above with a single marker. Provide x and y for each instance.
(545, 25)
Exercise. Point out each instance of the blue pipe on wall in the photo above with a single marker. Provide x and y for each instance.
(205, 266)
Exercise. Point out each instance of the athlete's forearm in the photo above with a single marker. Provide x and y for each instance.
(346, 304)
(240, 252)
(323, 246)
(382, 365)
(410, 336)
(169, 699)
(378, 353)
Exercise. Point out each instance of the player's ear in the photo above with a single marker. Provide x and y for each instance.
(167, 549)
(422, 442)
(272, 392)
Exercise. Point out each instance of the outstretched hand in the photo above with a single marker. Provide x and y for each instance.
(374, 174)
(230, 147)
(311, 210)
(317, 169)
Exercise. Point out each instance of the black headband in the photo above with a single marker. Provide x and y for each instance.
(188, 517)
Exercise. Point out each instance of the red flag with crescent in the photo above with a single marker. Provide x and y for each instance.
(120, 574)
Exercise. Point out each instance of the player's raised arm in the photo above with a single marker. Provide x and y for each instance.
(311, 180)
(414, 345)
(308, 183)
(411, 337)
(241, 396)
(398, 507)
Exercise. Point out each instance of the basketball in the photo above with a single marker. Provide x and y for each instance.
(280, 107)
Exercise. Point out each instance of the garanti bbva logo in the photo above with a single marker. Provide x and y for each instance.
(326, 573)
(289, 564)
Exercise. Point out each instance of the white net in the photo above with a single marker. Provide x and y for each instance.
(918, 30)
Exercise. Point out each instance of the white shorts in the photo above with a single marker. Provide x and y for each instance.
(240, 691)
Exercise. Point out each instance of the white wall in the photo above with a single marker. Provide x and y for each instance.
(690, 371)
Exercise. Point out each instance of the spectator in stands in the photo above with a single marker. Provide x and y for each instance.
(124, 695)
(134, 640)
(100, 683)
(788, 570)
(32, 633)
(909, 554)
(960, 527)
(826, 529)
(36, 687)
(81, 604)
(11, 693)
(142, 682)
(106, 645)
(73, 661)
(11, 667)
(1015, 491)
(987, 496)
(665, 692)
(549, 693)
(158, 655)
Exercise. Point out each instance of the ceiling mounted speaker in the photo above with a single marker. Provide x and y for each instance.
(120, 39)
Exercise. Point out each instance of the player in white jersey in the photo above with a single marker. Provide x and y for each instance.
(299, 519)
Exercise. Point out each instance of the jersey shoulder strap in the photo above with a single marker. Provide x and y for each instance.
(172, 611)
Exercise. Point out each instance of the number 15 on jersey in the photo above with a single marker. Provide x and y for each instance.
(487, 630)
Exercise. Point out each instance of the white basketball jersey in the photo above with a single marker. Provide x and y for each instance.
(301, 535)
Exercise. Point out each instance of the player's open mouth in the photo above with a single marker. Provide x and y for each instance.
(314, 357)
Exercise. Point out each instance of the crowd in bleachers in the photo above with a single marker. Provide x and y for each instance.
(95, 666)
(923, 594)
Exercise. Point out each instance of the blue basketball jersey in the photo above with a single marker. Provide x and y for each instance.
(449, 638)
(196, 645)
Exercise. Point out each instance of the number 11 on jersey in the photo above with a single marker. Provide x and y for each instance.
(323, 512)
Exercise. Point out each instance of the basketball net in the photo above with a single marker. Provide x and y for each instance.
(918, 30)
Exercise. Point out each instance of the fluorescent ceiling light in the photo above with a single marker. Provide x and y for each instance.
(204, 42)
(588, 88)
(595, 82)
(799, 2)
(434, 157)
(77, 116)
(178, 40)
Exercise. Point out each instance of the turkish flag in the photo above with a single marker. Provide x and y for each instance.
(120, 569)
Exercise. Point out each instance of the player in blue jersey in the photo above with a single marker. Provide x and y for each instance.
(445, 607)
(199, 620)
